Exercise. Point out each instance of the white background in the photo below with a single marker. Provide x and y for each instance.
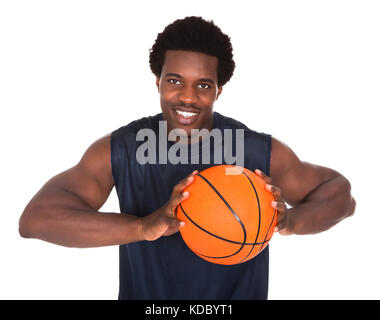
(308, 72)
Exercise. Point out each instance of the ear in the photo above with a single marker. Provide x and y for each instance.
(158, 83)
(220, 89)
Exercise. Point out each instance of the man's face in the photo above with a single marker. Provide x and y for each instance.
(188, 88)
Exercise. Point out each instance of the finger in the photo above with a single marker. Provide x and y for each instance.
(275, 191)
(174, 226)
(282, 226)
(184, 183)
(281, 229)
(176, 200)
(280, 206)
(285, 232)
(175, 223)
(277, 228)
(263, 176)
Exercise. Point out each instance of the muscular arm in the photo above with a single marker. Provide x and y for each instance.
(320, 197)
(65, 210)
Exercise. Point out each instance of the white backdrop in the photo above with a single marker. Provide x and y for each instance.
(307, 73)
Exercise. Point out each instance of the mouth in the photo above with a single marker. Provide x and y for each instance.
(186, 116)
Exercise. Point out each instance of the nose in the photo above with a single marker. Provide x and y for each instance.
(188, 95)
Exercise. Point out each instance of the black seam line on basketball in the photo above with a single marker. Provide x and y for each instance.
(232, 211)
(230, 255)
(274, 214)
(203, 255)
(258, 205)
(216, 236)
(228, 206)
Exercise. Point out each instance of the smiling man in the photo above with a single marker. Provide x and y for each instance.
(192, 61)
(188, 86)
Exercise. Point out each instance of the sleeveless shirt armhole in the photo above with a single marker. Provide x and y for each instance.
(114, 159)
(268, 152)
(117, 157)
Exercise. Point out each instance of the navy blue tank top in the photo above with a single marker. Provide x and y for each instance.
(166, 268)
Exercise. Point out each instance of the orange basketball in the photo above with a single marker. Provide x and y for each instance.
(229, 217)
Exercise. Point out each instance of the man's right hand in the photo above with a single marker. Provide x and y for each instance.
(163, 222)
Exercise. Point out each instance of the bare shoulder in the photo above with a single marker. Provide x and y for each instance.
(98, 155)
(96, 162)
(296, 178)
(90, 179)
(283, 158)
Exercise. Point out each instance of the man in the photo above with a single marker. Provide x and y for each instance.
(192, 61)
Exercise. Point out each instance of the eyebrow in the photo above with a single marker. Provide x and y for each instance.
(179, 76)
(173, 75)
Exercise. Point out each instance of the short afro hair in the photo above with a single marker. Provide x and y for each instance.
(197, 35)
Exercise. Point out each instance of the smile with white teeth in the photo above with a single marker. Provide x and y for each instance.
(186, 114)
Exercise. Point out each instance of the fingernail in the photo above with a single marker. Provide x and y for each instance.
(190, 178)
(258, 171)
(268, 187)
(186, 193)
(182, 224)
(274, 204)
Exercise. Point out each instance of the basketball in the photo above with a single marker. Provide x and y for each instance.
(229, 217)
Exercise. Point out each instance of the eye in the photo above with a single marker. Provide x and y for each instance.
(174, 81)
(204, 86)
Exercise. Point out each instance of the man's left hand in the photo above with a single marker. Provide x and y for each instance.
(282, 226)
